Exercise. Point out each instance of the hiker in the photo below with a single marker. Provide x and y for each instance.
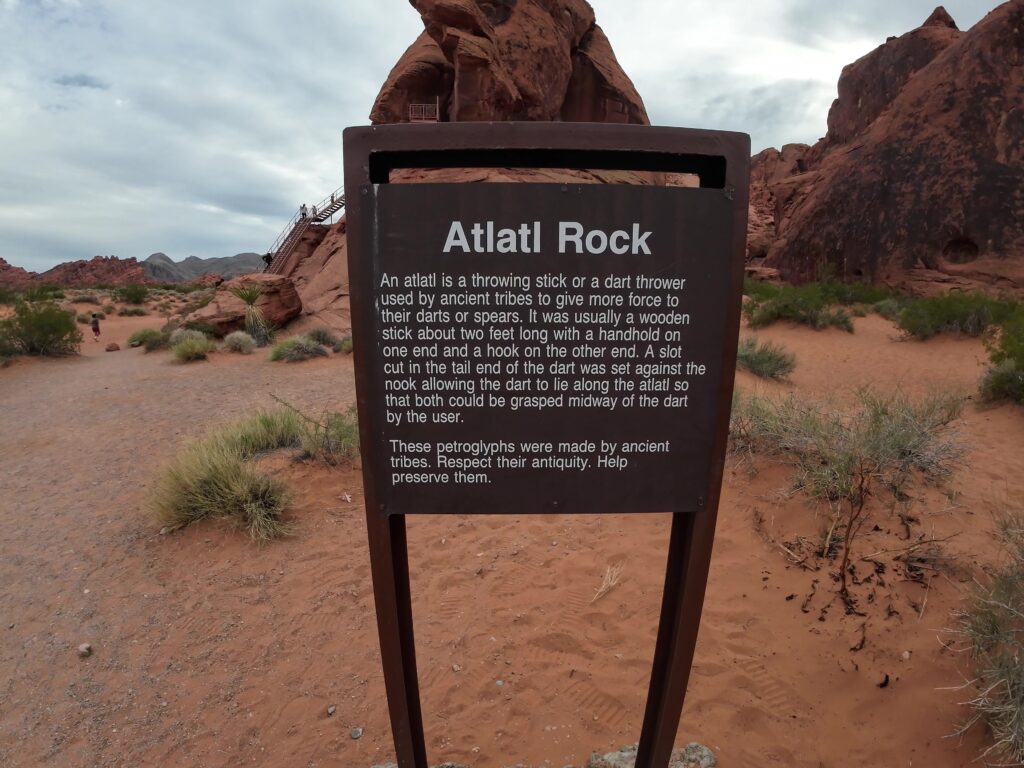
(302, 211)
(314, 211)
(95, 327)
(267, 258)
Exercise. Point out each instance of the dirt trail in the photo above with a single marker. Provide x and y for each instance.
(209, 651)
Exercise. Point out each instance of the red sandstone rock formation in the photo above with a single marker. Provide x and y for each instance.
(14, 277)
(922, 169)
(280, 303)
(510, 60)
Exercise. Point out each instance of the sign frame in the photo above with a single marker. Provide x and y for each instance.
(721, 159)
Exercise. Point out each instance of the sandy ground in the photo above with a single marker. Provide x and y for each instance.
(210, 651)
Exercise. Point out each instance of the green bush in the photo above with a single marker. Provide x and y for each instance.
(204, 328)
(968, 313)
(109, 309)
(132, 294)
(1004, 381)
(888, 308)
(178, 335)
(767, 360)
(992, 626)
(40, 328)
(85, 298)
(132, 312)
(809, 304)
(296, 349)
(240, 342)
(333, 439)
(43, 293)
(189, 350)
(145, 337)
(344, 346)
(9, 296)
(323, 336)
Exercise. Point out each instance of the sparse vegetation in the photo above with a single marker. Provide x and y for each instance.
(85, 298)
(323, 336)
(178, 335)
(204, 328)
(40, 328)
(212, 478)
(145, 337)
(344, 346)
(767, 360)
(43, 293)
(993, 627)
(240, 342)
(9, 296)
(809, 304)
(132, 312)
(970, 314)
(297, 348)
(85, 318)
(192, 349)
(1004, 380)
(888, 308)
(132, 294)
(109, 309)
(841, 457)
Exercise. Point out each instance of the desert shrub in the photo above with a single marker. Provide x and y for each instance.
(204, 328)
(333, 439)
(109, 309)
(1004, 380)
(263, 431)
(83, 318)
(758, 289)
(344, 346)
(968, 313)
(178, 335)
(9, 296)
(191, 349)
(211, 480)
(239, 341)
(768, 360)
(132, 294)
(295, 349)
(888, 308)
(40, 328)
(807, 304)
(853, 293)
(43, 293)
(145, 337)
(85, 298)
(132, 312)
(841, 456)
(992, 624)
(323, 336)
(201, 298)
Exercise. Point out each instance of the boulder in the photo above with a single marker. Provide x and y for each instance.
(225, 313)
(113, 347)
(510, 60)
(922, 166)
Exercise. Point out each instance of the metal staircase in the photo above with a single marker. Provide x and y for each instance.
(297, 226)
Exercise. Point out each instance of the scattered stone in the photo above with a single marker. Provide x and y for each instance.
(85, 650)
(331, 710)
(499, 683)
(165, 530)
(456, 667)
(113, 347)
(357, 733)
(693, 755)
(906, 655)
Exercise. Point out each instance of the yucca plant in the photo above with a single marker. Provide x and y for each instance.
(255, 322)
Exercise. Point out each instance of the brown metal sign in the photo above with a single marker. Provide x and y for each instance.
(539, 348)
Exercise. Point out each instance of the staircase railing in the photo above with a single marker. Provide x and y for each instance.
(297, 226)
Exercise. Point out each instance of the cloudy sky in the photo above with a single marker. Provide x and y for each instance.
(197, 127)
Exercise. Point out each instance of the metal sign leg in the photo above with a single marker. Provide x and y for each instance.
(685, 580)
(389, 561)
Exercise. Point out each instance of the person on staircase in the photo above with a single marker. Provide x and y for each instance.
(314, 211)
(302, 211)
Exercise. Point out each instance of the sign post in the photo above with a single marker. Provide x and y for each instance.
(545, 348)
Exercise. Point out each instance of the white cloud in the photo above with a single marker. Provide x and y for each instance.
(198, 127)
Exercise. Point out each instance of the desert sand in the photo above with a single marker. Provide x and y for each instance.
(211, 651)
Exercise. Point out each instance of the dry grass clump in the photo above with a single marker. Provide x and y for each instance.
(145, 337)
(843, 457)
(333, 438)
(344, 346)
(85, 298)
(612, 577)
(213, 479)
(132, 312)
(296, 349)
(992, 626)
(190, 349)
(767, 360)
(240, 342)
(179, 335)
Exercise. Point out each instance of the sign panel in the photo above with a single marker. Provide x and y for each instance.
(529, 348)
(546, 348)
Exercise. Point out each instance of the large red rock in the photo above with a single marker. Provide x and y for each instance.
(510, 60)
(14, 277)
(76, 274)
(923, 167)
(96, 271)
(280, 303)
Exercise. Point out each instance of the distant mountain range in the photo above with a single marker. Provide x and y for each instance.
(162, 269)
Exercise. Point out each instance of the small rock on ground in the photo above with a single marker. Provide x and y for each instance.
(112, 347)
(84, 650)
(693, 755)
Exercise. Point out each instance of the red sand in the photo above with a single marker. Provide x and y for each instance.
(210, 651)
